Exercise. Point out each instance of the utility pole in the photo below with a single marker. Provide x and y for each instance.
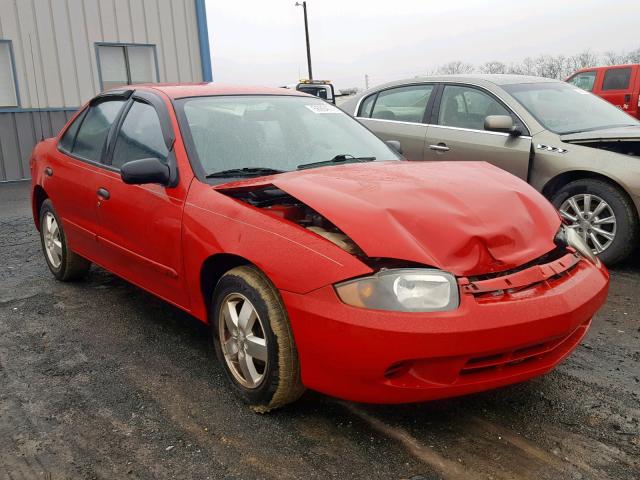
(366, 81)
(306, 32)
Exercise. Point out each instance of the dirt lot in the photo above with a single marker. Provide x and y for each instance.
(101, 380)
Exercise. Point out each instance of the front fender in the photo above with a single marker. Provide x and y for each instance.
(293, 258)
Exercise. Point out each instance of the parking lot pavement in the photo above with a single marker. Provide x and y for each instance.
(101, 380)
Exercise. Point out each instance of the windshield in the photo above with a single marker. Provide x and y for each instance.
(279, 133)
(564, 108)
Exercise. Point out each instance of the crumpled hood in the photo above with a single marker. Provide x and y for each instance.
(623, 134)
(468, 218)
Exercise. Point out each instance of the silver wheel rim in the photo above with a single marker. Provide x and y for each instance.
(243, 341)
(592, 218)
(52, 240)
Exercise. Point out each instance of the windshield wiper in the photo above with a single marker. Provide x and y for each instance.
(244, 172)
(342, 158)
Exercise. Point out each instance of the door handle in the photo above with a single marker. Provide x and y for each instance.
(103, 193)
(441, 147)
(48, 172)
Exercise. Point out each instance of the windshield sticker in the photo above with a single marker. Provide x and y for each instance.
(580, 91)
(322, 108)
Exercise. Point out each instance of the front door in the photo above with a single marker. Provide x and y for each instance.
(459, 134)
(73, 172)
(141, 225)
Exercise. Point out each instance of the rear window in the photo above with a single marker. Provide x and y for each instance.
(616, 79)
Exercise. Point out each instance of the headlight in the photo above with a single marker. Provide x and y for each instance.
(570, 237)
(402, 290)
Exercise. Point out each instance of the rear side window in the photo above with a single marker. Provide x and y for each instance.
(365, 106)
(140, 136)
(94, 129)
(403, 104)
(616, 79)
(584, 80)
(66, 142)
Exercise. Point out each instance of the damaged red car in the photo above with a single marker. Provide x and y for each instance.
(318, 256)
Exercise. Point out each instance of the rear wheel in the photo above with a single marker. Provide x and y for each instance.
(65, 264)
(253, 340)
(602, 214)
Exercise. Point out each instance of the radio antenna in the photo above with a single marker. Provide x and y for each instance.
(35, 79)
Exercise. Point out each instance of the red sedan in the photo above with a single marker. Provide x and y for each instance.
(318, 256)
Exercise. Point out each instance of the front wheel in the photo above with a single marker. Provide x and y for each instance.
(65, 264)
(602, 214)
(253, 339)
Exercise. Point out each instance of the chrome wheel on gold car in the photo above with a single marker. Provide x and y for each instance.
(593, 218)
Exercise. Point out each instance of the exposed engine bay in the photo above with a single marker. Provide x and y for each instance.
(280, 204)
(631, 148)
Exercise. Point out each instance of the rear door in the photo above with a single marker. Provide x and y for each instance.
(399, 113)
(141, 225)
(617, 88)
(73, 171)
(457, 131)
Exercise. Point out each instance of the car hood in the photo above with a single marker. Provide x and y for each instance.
(468, 218)
(623, 134)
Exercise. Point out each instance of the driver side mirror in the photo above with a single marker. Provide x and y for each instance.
(145, 170)
(501, 123)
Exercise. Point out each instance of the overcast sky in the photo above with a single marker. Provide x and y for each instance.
(261, 42)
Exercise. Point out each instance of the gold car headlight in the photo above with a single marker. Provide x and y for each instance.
(402, 290)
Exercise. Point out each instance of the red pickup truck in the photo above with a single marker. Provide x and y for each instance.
(618, 84)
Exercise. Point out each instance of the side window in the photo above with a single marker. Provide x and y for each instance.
(8, 88)
(584, 80)
(616, 79)
(69, 136)
(365, 106)
(404, 104)
(467, 107)
(140, 136)
(94, 129)
(126, 64)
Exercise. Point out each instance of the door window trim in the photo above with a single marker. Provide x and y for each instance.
(376, 94)
(436, 110)
(112, 95)
(128, 95)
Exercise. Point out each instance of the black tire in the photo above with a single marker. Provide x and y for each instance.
(71, 266)
(628, 228)
(281, 382)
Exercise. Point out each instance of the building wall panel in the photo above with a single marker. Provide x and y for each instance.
(55, 58)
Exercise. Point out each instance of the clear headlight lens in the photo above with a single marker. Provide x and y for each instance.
(402, 290)
(570, 237)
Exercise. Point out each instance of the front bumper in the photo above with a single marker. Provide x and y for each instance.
(390, 357)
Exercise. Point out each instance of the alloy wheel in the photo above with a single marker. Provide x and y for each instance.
(243, 340)
(593, 218)
(52, 240)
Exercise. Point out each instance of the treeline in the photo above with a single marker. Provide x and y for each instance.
(551, 66)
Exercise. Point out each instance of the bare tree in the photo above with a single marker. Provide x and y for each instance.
(493, 67)
(633, 56)
(453, 68)
(614, 58)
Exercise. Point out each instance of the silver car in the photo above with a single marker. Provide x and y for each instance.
(580, 151)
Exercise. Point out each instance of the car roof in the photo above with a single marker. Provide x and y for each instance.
(495, 78)
(181, 90)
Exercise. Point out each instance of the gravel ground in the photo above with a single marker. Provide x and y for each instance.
(100, 380)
